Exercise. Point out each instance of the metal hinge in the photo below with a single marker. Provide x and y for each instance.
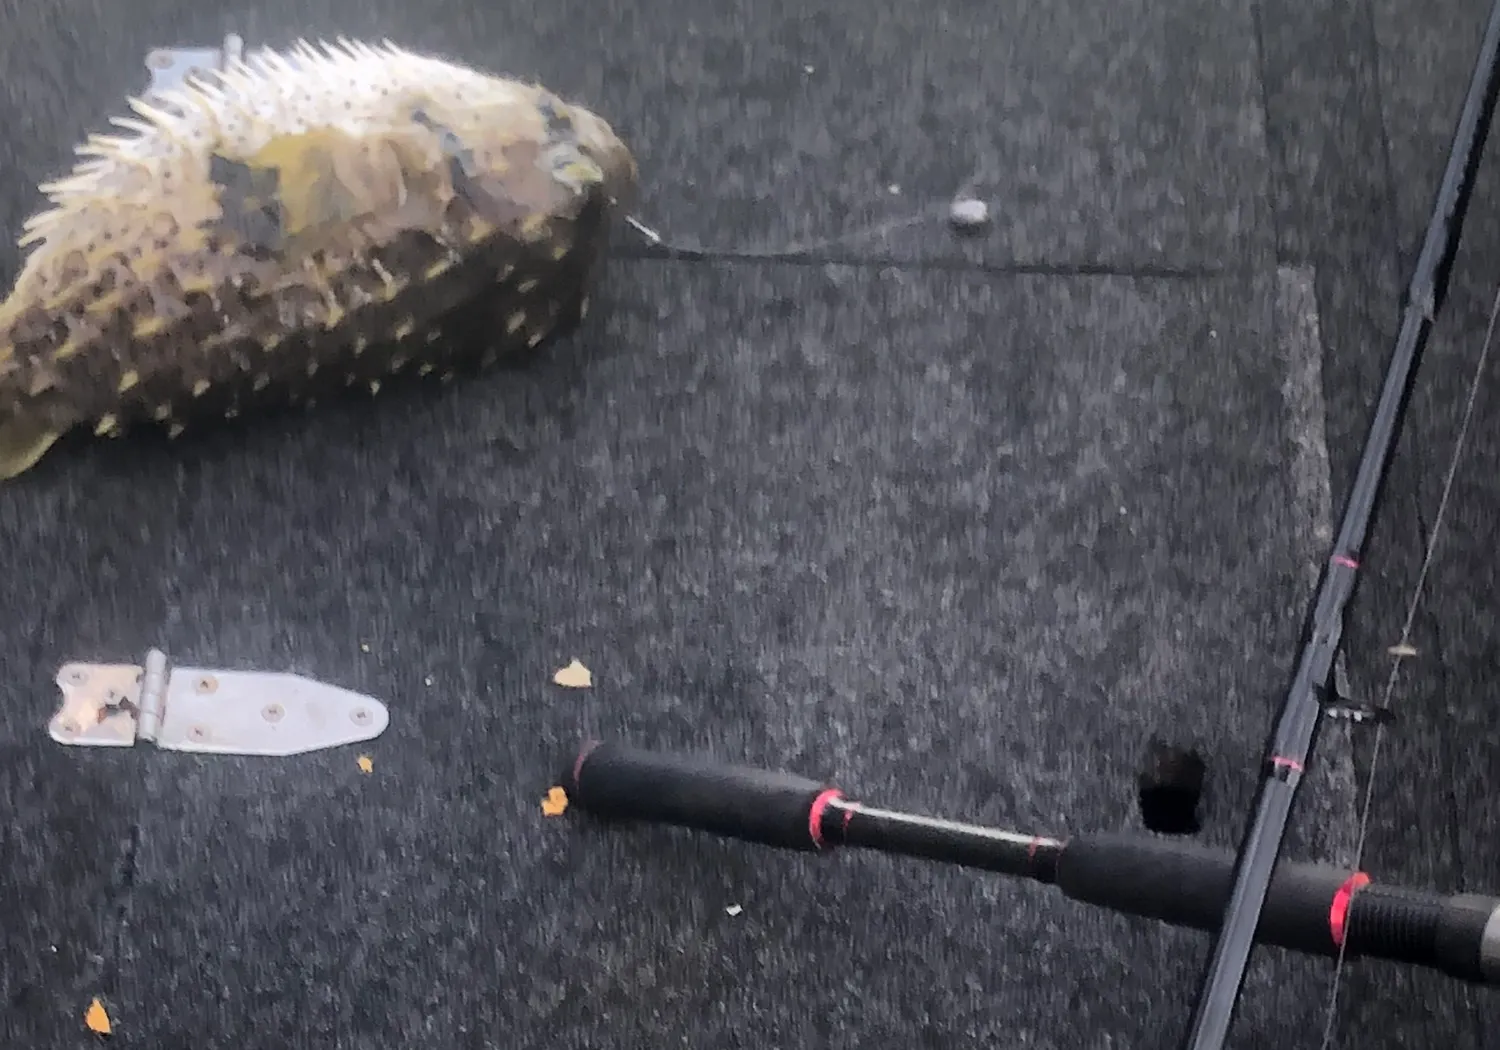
(209, 711)
(171, 66)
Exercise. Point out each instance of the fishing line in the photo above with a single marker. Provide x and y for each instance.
(792, 250)
(966, 216)
(1402, 648)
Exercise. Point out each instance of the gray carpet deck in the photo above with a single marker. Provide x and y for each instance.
(958, 538)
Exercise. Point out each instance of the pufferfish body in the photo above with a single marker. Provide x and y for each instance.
(324, 217)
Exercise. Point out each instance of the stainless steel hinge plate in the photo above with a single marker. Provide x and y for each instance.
(209, 711)
(172, 66)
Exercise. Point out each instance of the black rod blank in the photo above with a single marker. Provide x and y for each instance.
(1309, 908)
(1295, 735)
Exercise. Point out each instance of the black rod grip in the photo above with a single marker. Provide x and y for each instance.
(617, 782)
(1309, 908)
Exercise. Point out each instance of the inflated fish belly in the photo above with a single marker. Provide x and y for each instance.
(302, 221)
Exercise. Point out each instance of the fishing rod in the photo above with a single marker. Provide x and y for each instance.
(1310, 908)
(1247, 897)
(1294, 738)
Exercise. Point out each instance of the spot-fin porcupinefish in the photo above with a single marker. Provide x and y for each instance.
(313, 218)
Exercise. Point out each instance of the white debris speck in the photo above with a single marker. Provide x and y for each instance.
(733, 909)
(969, 213)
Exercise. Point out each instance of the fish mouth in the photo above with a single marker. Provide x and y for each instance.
(599, 142)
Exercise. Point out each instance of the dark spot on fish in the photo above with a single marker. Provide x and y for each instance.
(248, 199)
(466, 187)
(449, 142)
(458, 153)
(57, 333)
(75, 268)
(510, 200)
(497, 209)
(139, 304)
(559, 122)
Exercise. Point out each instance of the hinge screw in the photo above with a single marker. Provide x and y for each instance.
(206, 684)
(361, 716)
(198, 733)
(273, 712)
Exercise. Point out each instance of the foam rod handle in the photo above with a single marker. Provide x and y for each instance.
(622, 783)
(1309, 907)
(1188, 885)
